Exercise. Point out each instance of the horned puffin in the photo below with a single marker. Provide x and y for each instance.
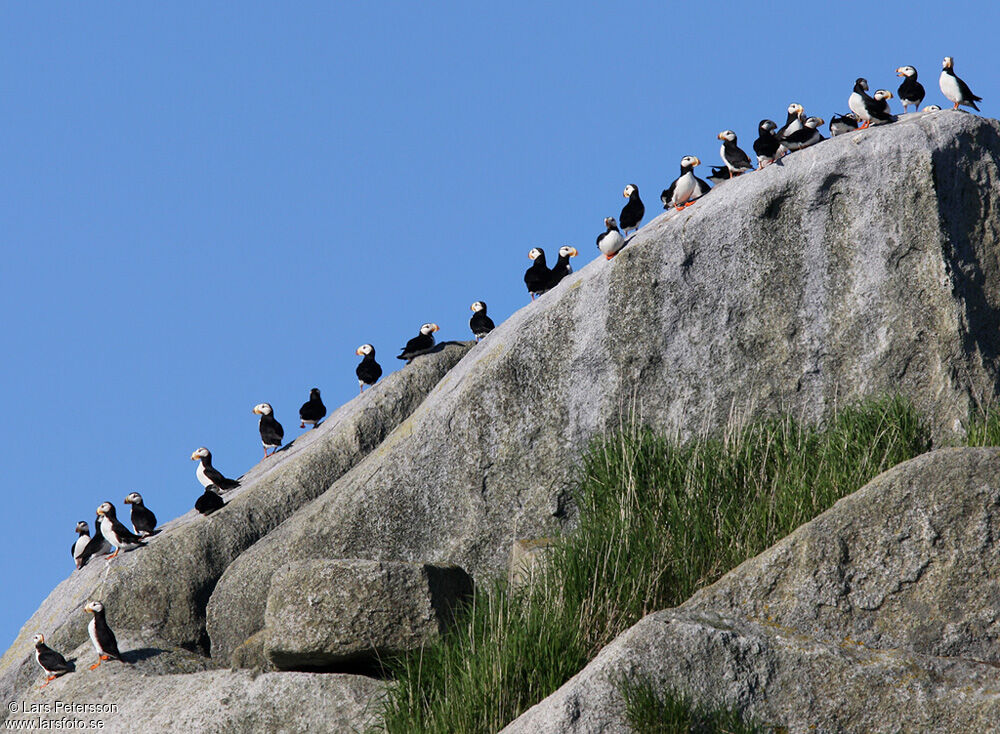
(932, 108)
(864, 106)
(208, 475)
(82, 541)
(480, 323)
(796, 120)
(718, 175)
(633, 211)
(422, 343)
(52, 662)
(766, 145)
(271, 432)
(143, 519)
(98, 545)
(808, 135)
(313, 410)
(536, 277)
(686, 188)
(840, 124)
(954, 88)
(117, 534)
(911, 92)
(369, 370)
(562, 268)
(882, 96)
(736, 160)
(611, 241)
(101, 635)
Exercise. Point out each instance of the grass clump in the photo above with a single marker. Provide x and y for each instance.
(658, 519)
(651, 711)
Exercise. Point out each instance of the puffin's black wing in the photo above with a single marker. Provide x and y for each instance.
(631, 214)
(312, 410)
(911, 89)
(766, 147)
(106, 639)
(967, 95)
(480, 323)
(703, 187)
(737, 157)
(271, 431)
(95, 545)
(875, 108)
(666, 196)
(143, 519)
(419, 343)
(369, 371)
(52, 661)
(125, 535)
(216, 478)
(208, 503)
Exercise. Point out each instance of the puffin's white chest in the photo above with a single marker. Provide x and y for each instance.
(949, 87)
(202, 477)
(857, 104)
(107, 530)
(611, 242)
(81, 543)
(684, 188)
(92, 631)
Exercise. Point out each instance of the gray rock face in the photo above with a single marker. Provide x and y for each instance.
(141, 697)
(861, 266)
(176, 573)
(323, 614)
(775, 678)
(879, 615)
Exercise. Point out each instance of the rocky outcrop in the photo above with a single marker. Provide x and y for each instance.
(862, 266)
(880, 615)
(176, 573)
(150, 694)
(351, 614)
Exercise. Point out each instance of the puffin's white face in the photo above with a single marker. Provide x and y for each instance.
(478, 306)
(610, 223)
(104, 508)
(201, 453)
(906, 71)
(768, 125)
(428, 329)
(814, 122)
(728, 135)
(881, 94)
(263, 409)
(535, 253)
(567, 251)
(94, 606)
(690, 161)
(947, 63)
(629, 190)
(794, 108)
(931, 108)
(134, 499)
(82, 527)
(364, 350)
(38, 639)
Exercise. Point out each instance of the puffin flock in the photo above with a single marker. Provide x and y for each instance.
(772, 143)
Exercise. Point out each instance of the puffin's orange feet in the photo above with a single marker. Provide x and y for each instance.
(114, 554)
(94, 666)
(611, 255)
(956, 106)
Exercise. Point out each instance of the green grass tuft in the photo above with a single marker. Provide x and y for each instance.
(650, 711)
(659, 519)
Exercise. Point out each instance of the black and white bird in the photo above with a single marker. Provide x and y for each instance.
(864, 106)
(882, 96)
(368, 371)
(53, 663)
(796, 120)
(633, 211)
(271, 432)
(735, 159)
(536, 277)
(562, 268)
(422, 343)
(611, 240)
(112, 529)
(313, 410)
(686, 188)
(208, 475)
(97, 546)
(719, 174)
(932, 108)
(954, 88)
(480, 323)
(82, 541)
(840, 124)
(143, 519)
(767, 144)
(911, 92)
(101, 635)
(209, 502)
(808, 135)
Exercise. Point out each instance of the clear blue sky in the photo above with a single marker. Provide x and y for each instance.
(205, 206)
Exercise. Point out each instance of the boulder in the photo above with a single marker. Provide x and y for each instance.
(355, 615)
(777, 678)
(175, 574)
(862, 266)
(879, 615)
(140, 697)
